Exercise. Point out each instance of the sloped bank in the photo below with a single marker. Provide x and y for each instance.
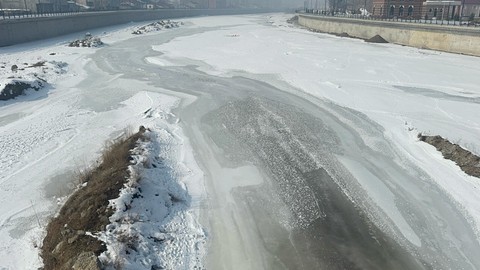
(69, 243)
(453, 39)
(30, 29)
(131, 212)
(467, 161)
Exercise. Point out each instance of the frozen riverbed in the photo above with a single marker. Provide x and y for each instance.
(307, 143)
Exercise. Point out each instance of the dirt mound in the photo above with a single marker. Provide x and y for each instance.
(376, 39)
(468, 162)
(344, 35)
(69, 241)
(293, 20)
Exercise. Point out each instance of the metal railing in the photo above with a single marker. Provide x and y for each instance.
(404, 19)
(10, 14)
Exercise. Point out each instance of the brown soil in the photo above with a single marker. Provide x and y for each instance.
(468, 162)
(66, 242)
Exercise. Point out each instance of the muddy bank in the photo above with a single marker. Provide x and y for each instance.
(468, 162)
(68, 243)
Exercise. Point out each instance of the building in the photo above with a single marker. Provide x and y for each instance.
(471, 8)
(441, 10)
(397, 8)
(20, 5)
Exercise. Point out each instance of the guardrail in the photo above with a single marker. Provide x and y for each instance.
(10, 14)
(435, 21)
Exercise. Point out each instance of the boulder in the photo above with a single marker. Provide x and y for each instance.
(87, 261)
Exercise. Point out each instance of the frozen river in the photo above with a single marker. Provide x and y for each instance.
(297, 178)
(292, 182)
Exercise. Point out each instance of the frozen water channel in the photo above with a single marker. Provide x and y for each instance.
(294, 179)
(295, 182)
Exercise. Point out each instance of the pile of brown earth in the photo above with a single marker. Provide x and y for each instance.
(468, 162)
(376, 39)
(68, 244)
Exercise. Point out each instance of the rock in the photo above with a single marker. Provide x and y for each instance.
(87, 261)
(58, 247)
(72, 239)
(16, 88)
(88, 41)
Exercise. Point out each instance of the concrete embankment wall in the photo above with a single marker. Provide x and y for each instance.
(454, 39)
(30, 29)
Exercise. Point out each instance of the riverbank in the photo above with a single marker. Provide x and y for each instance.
(454, 39)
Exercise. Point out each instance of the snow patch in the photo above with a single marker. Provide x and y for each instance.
(152, 226)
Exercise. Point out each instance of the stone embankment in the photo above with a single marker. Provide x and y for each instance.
(454, 39)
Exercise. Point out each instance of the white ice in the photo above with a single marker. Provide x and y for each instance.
(405, 90)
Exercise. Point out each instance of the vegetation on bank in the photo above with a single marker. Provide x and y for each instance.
(69, 243)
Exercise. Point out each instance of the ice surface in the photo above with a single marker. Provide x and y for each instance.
(400, 88)
(307, 143)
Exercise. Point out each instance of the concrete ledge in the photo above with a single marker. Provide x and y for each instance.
(453, 39)
(30, 29)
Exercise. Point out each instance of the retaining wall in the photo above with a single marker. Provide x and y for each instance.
(29, 29)
(457, 39)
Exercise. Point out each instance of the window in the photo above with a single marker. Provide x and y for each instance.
(400, 11)
(410, 11)
(392, 10)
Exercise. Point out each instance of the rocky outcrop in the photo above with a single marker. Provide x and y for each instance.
(18, 88)
(86, 261)
(87, 41)
(156, 26)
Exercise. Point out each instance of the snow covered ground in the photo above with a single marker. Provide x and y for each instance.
(373, 98)
(47, 136)
(159, 229)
